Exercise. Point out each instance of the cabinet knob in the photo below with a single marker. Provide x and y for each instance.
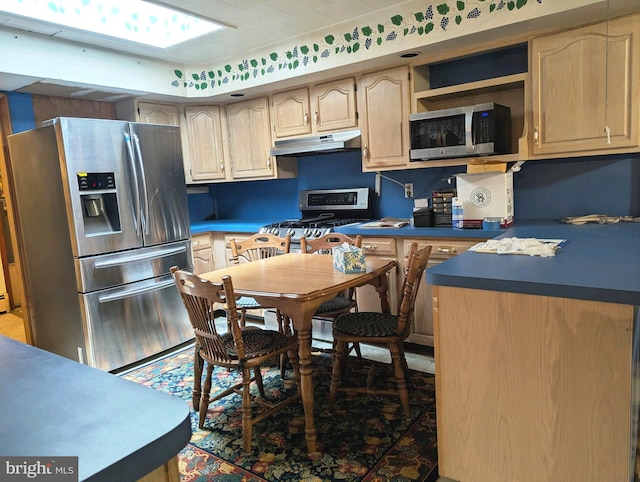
(221, 167)
(536, 135)
(365, 151)
(306, 118)
(316, 118)
(269, 162)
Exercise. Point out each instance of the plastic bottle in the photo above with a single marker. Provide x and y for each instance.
(456, 213)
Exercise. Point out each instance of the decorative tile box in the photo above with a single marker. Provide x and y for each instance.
(349, 259)
(486, 195)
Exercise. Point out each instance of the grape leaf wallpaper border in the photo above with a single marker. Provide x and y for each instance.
(445, 15)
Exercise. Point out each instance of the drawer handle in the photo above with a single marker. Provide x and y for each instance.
(369, 246)
(447, 250)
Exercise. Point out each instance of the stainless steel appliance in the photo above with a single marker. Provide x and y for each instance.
(322, 211)
(102, 215)
(322, 144)
(475, 130)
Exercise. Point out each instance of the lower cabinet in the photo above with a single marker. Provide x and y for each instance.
(397, 249)
(202, 249)
(441, 250)
(368, 299)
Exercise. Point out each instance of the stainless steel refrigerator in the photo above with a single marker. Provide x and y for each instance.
(102, 215)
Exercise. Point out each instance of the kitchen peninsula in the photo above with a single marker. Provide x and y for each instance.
(119, 430)
(536, 358)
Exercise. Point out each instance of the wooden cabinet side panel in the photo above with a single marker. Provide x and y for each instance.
(532, 388)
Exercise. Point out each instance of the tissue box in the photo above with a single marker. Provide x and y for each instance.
(349, 260)
(486, 195)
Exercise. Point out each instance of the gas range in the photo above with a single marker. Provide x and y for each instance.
(323, 210)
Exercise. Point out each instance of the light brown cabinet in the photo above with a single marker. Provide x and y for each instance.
(202, 250)
(441, 250)
(584, 81)
(330, 106)
(383, 102)
(203, 147)
(148, 112)
(249, 131)
(367, 297)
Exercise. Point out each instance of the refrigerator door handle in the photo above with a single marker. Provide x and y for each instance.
(138, 257)
(145, 194)
(136, 189)
(135, 292)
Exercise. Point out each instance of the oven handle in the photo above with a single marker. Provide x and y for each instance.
(130, 293)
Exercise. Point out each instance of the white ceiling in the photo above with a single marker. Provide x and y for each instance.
(251, 24)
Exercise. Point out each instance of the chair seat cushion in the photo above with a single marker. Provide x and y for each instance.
(247, 303)
(367, 324)
(336, 304)
(256, 342)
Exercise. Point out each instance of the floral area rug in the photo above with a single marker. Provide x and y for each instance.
(365, 439)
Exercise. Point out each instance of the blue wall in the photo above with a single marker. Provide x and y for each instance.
(542, 189)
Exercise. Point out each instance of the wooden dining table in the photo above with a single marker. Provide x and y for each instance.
(297, 284)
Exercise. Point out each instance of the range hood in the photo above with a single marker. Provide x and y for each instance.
(312, 145)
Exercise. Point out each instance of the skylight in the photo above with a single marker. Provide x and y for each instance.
(134, 20)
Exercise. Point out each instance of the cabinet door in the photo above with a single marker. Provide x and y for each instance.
(367, 297)
(383, 100)
(150, 113)
(290, 111)
(441, 250)
(582, 81)
(202, 253)
(250, 139)
(203, 125)
(334, 105)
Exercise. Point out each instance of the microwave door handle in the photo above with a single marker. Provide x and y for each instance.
(145, 194)
(136, 189)
(468, 125)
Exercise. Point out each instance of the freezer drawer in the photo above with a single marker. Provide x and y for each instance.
(114, 269)
(126, 324)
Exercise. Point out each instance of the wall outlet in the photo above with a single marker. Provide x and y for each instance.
(408, 189)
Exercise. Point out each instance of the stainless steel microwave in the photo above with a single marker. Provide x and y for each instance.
(476, 130)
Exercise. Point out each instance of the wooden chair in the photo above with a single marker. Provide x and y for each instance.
(241, 350)
(343, 302)
(380, 328)
(258, 246)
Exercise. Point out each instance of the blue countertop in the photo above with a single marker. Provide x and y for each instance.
(598, 263)
(252, 226)
(52, 406)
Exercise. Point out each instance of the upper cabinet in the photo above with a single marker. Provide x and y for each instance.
(203, 148)
(319, 108)
(585, 89)
(383, 102)
(250, 142)
(148, 112)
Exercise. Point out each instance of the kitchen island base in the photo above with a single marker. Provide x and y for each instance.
(534, 388)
